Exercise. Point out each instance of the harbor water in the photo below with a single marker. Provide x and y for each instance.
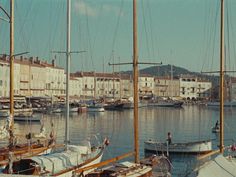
(186, 124)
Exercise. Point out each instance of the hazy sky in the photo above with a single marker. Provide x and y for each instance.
(180, 32)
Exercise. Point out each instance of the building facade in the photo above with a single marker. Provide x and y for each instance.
(146, 85)
(4, 79)
(191, 88)
(166, 87)
(34, 77)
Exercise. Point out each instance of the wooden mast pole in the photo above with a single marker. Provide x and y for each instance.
(135, 82)
(68, 53)
(11, 125)
(222, 78)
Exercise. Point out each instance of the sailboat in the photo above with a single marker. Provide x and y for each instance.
(66, 161)
(18, 150)
(139, 168)
(219, 165)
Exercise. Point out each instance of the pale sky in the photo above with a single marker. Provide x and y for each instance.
(180, 32)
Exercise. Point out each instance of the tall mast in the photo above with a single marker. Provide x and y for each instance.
(113, 77)
(222, 78)
(171, 79)
(11, 125)
(135, 81)
(67, 70)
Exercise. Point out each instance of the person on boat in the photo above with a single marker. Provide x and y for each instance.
(169, 138)
(217, 124)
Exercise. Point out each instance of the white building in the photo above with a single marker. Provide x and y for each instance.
(4, 79)
(146, 85)
(191, 88)
(37, 79)
(55, 83)
(127, 86)
(233, 89)
(75, 86)
(108, 85)
(167, 87)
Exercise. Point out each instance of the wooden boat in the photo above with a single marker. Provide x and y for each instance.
(226, 104)
(126, 168)
(95, 108)
(114, 106)
(166, 103)
(196, 147)
(32, 118)
(25, 150)
(18, 150)
(145, 168)
(58, 164)
(17, 112)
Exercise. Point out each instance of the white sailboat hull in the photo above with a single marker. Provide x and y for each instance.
(198, 147)
(220, 166)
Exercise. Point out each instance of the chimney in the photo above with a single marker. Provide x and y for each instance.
(31, 60)
(53, 62)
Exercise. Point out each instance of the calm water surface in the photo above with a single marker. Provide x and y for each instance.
(186, 124)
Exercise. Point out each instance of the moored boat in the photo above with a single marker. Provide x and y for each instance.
(195, 147)
(58, 164)
(95, 108)
(114, 106)
(226, 104)
(165, 103)
(32, 118)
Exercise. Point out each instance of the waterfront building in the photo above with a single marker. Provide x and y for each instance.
(99, 85)
(108, 85)
(34, 77)
(203, 89)
(25, 76)
(88, 84)
(75, 85)
(146, 85)
(233, 89)
(37, 77)
(55, 80)
(167, 87)
(4, 78)
(191, 88)
(126, 85)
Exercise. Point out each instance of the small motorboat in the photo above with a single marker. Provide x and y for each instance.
(194, 147)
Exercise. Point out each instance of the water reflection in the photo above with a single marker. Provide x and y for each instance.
(187, 124)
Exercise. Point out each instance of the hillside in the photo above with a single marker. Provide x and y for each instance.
(165, 70)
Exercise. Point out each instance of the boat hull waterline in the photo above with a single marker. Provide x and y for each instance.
(197, 147)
